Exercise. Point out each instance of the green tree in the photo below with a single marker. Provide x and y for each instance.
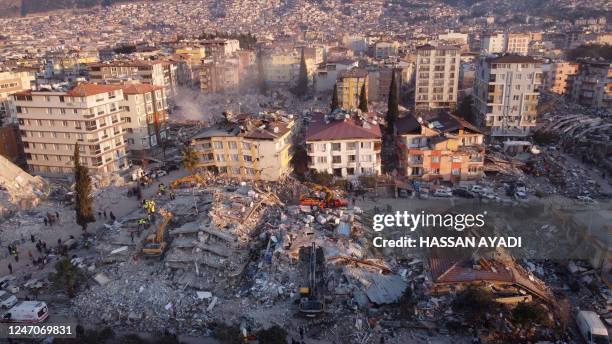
(389, 152)
(272, 335)
(527, 313)
(474, 302)
(334, 102)
(190, 159)
(299, 160)
(363, 99)
(67, 277)
(392, 106)
(465, 111)
(301, 88)
(83, 201)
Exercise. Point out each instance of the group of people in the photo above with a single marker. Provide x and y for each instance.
(50, 218)
(103, 213)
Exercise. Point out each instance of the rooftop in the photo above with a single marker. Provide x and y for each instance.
(348, 127)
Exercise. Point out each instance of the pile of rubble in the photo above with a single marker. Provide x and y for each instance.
(18, 189)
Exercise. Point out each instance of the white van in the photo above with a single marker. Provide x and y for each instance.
(27, 312)
(7, 300)
(592, 329)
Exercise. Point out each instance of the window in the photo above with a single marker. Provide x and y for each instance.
(455, 171)
(435, 158)
(232, 145)
(235, 157)
(336, 147)
(218, 144)
(246, 145)
(247, 158)
(434, 171)
(220, 157)
(236, 170)
(321, 159)
(336, 159)
(366, 158)
(351, 158)
(351, 145)
(366, 145)
(322, 147)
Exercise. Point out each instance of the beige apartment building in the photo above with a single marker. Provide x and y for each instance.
(592, 85)
(248, 147)
(282, 66)
(506, 92)
(12, 82)
(437, 76)
(517, 43)
(145, 117)
(158, 72)
(51, 123)
(557, 75)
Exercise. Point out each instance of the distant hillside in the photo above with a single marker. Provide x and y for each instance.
(11, 8)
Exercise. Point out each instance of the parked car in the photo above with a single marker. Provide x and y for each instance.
(462, 192)
(520, 195)
(477, 188)
(592, 328)
(160, 173)
(171, 166)
(7, 300)
(443, 192)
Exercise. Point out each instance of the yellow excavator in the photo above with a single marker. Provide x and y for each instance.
(329, 201)
(310, 306)
(188, 181)
(155, 243)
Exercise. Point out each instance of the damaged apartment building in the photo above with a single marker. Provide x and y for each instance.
(345, 144)
(246, 146)
(439, 146)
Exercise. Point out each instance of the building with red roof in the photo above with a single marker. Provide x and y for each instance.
(345, 144)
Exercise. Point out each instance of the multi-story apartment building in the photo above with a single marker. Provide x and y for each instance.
(493, 43)
(385, 49)
(344, 145)
(282, 66)
(145, 117)
(506, 92)
(439, 146)
(52, 122)
(517, 43)
(12, 82)
(158, 72)
(327, 73)
(219, 75)
(557, 74)
(592, 85)
(350, 83)
(220, 47)
(511, 43)
(437, 76)
(248, 147)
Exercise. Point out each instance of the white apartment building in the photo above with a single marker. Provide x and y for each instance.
(344, 145)
(506, 92)
(437, 78)
(511, 43)
(52, 122)
(493, 43)
(12, 82)
(145, 117)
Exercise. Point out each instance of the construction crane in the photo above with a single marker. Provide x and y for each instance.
(155, 243)
(327, 202)
(310, 305)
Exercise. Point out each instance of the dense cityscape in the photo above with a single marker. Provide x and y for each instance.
(221, 171)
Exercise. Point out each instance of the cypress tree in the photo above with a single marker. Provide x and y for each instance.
(302, 84)
(389, 150)
(363, 99)
(334, 101)
(83, 204)
(392, 106)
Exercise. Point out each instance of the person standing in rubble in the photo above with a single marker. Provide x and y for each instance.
(10, 267)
